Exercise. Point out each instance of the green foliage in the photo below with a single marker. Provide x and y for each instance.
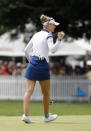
(74, 15)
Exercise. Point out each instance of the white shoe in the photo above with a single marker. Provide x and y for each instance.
(50, 118)
(27, 119)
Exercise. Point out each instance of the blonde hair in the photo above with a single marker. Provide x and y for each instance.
(45, 18)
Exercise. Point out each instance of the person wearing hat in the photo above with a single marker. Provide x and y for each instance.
(38, 68)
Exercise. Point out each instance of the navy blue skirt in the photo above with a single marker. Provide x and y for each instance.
(37, 69)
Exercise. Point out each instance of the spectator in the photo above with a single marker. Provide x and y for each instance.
(0, 70)
(11, 66)
(88, 76)
(23, 67)
(4, 69)
(52, 68)
(18, 70)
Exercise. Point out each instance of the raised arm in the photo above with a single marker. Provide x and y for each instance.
(53, 47)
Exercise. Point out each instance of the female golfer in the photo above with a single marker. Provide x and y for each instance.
(38, 69)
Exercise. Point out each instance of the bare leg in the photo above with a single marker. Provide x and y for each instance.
(29, 90)
(45, 87)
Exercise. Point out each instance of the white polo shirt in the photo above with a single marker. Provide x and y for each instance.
(41, 43)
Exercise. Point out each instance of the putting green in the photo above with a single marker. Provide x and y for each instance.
(63, 123)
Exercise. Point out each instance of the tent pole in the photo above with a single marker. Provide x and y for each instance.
(23, 60)
(13, 59)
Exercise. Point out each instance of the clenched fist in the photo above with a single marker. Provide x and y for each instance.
(60, 35)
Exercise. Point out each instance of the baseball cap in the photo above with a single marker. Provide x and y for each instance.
(52, 21)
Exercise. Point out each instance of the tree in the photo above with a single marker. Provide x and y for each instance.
(74, 15)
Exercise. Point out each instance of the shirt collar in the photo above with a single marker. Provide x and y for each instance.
(45, 30)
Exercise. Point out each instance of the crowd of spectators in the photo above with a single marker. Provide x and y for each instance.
(11, 68)
(63, 69)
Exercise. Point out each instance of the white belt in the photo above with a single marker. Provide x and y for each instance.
(39, 56)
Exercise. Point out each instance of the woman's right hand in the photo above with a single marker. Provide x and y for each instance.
(60, 35)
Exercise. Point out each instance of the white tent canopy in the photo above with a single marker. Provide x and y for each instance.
(84, 44)
(68, 49)
(10, 47)
(16, 47)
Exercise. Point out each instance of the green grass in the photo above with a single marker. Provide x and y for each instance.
(15, 108)
(63, 123)
(72, 117)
